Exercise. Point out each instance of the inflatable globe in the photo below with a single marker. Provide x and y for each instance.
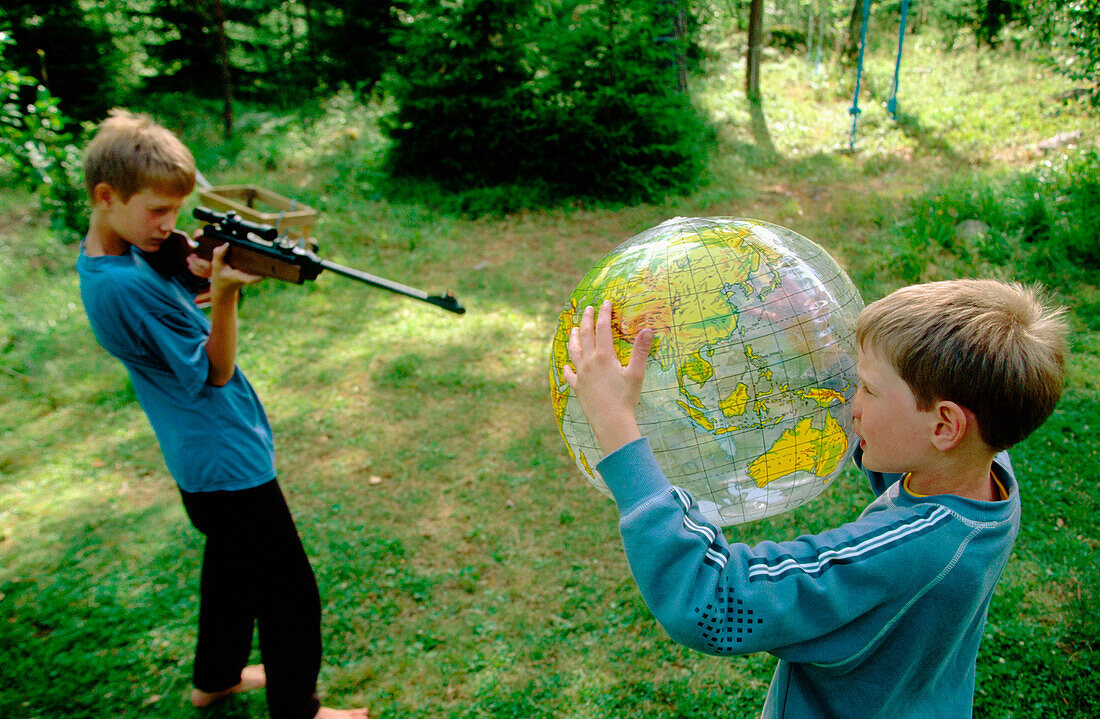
(748, 388)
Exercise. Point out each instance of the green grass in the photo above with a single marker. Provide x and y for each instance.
(466, 568)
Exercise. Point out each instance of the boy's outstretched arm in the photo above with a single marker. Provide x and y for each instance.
(221, 346)
(608, 391)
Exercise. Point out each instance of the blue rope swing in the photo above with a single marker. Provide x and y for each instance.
(854, 110)
(892, 102)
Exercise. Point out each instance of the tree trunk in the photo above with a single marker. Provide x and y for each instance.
(680, 25)
(311, 43)
(223, 59)
(850, 49)
(752, 54)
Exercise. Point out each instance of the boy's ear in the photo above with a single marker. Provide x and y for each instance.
(952, 422)
(102, 194)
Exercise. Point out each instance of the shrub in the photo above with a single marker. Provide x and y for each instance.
(1074, 29)
(38, 150)
(1040, 225)
(583, 99)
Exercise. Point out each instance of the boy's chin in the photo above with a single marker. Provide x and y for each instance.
(869, 461)
(875, 465)
(148, 245)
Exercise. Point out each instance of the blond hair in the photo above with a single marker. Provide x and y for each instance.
(130, 152)
(996, 348)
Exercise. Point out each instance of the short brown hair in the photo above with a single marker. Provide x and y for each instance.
(996, 348)
(131, 152)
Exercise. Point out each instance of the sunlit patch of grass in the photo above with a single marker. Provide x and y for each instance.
(966, 105)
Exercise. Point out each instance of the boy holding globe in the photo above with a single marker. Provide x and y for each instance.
(212, 429)
(881, 617)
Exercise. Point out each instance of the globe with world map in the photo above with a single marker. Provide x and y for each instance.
(748, 388)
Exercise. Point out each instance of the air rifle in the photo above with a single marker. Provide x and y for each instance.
(260, 250)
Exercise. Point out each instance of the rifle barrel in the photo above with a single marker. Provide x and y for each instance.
(447, 302)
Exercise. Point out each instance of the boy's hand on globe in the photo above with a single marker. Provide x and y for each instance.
(608, 391)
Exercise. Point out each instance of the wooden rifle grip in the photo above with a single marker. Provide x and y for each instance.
(253, 263)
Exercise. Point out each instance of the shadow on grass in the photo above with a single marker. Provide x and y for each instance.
(929, 140)
(104, 630)
(103, 621)
(760, 131)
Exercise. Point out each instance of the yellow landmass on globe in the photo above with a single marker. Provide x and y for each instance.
(698, 417)
(758, 362)
(559, 348)
(697, 370)
(735, 404)
(744, 263)
(823, 397)
(803, 448)
(683, 296)
(587, 467)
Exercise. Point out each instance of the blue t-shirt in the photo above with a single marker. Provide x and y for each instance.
(212, 438)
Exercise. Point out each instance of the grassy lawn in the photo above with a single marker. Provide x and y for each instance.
(466, 568)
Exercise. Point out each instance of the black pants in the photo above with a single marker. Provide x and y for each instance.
(255, 573)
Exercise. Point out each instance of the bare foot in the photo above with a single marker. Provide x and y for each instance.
(326, 713)
(252, 677)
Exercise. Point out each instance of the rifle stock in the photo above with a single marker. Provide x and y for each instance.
(260, 250)
(260, 257)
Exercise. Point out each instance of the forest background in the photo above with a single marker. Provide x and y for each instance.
(500, 148)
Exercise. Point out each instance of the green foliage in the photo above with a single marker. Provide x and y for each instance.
(1039, 224)
(786, 37)
(615, 123)
(265, 52)
(69, 50)
(460, 87)
(351, 41)
(39, 151)
(279, 54)
(584, 101)
(985, 19)
(1074, 28)
(181, 47)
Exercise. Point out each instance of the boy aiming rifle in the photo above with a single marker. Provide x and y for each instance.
(212, 429)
